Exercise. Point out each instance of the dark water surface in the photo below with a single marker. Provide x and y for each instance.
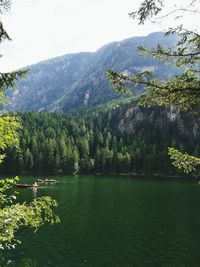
(115, 222)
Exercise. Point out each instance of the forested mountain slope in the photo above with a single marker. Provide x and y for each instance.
(120, 137)
(74, 81)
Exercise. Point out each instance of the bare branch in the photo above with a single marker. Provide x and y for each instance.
(177, 10)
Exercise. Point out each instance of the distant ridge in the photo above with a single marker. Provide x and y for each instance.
(74, 81)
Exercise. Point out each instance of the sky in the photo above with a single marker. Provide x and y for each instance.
(42, 29)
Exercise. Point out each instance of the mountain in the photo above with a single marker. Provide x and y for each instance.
(74, 81)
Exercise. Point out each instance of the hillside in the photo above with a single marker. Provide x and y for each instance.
(115, 138)
(75, 81)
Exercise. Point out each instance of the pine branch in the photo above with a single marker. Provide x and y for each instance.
(8, 80)
(3, 34)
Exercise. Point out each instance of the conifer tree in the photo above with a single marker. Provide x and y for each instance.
(182, 90)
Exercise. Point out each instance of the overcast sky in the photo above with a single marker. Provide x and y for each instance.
(42, 29)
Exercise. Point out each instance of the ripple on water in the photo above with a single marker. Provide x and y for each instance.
(109, 222)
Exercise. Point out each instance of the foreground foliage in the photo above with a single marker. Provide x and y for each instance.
(13, 215)
(183, 161)
(181, 90)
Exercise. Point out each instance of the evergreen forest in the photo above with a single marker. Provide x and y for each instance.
(120, 137)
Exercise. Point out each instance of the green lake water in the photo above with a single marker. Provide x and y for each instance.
(114, 222)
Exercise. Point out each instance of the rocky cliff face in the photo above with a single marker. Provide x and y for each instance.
(135, 118)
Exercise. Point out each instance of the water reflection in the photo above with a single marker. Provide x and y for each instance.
(26, 262)
(115, 222)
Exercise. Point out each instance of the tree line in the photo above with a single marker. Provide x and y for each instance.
(112, 139)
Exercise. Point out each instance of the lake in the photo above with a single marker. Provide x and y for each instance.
(114, 222)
